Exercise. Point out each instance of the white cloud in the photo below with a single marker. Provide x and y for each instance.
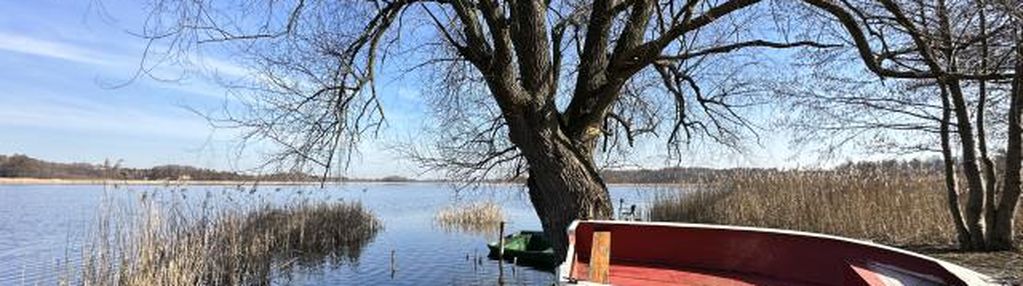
(226, 68)
(96, 117)
(51, 49)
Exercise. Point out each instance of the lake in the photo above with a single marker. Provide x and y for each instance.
(42, 228)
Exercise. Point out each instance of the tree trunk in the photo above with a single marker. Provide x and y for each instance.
(563, 183)
(951, 187)
(988, 167)
(976, 189)
(974, 180)
(1001, 235)
(985, 159)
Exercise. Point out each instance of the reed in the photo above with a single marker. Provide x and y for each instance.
(904, 209)
(478, 218)
(157, 242)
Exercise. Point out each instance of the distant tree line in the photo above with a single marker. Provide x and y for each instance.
(22, 166)
(696, 175)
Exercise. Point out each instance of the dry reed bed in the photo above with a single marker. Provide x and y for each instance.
(156, 243)
(477, 218)
(905, 209)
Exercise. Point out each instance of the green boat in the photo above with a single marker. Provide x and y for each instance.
(529, 248)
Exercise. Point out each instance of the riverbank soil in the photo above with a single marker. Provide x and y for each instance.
(1003, 265)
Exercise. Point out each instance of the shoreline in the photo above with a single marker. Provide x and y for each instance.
(54, 181)
(47, 181)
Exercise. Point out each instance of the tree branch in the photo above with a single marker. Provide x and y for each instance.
(748, 44)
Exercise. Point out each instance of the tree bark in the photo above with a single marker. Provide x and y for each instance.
(951, 186)
(1001, 235)
(563, 183)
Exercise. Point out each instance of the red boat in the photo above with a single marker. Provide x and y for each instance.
(653, 253)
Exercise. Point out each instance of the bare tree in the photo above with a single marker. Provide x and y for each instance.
(539, 86)
(963, 53)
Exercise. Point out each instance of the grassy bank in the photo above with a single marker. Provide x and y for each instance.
(907, 210)
(166, 243)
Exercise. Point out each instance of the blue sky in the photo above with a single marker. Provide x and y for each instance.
(60, 60)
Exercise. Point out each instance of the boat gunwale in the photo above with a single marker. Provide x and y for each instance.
(966, 275)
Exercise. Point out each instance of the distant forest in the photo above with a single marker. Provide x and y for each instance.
(22, 166)
(695, 175)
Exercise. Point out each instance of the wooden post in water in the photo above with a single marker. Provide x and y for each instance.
(621, 207)
(600, 257)
(394, 267)
(500, 254)
(515, 262)
(500, 239)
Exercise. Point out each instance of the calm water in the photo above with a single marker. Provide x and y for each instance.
(42, 225)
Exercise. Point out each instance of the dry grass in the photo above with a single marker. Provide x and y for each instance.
(477, 218)
(907, 210)
(893, 210)
(155, 243)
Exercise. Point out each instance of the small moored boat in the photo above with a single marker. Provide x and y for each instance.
(650, 253)
(527, 248)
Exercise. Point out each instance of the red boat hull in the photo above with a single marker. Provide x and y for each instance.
(694, 254)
